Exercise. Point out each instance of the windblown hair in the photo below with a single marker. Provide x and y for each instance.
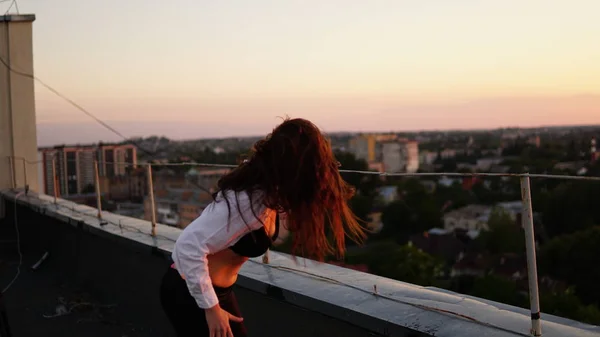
(296, 171)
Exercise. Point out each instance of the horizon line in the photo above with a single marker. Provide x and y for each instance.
(351, 132)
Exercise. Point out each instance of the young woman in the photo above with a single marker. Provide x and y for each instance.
(291, 171)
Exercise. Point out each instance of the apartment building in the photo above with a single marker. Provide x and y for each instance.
(469, 218)
(180, 199)
(177, 207)
(131, 187)
(71, 168)
(367, 146)
(400, 156)
(207, 178)
(394, 154)
(427, 157)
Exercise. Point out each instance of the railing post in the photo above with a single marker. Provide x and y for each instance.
(527, 222)
(98, 196)
(54, 178)
(13, 175)
(25, 172)
(151, 196)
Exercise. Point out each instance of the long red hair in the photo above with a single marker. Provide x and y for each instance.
(295, 169)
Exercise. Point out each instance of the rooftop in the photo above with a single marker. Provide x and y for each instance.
(17, 17)
(105, 274)
(470, 211)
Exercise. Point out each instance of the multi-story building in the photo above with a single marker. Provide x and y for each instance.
(366, 146)
(376, 166)
(469, 218)
(207, 178)
(535, 141)
(74, 166)
(177, 206)
(595, 154)
(400, 156)
(363, 147)
(448, 153)
(395, 154)
(114, 159)
(131, 187)
(485, 164)
(427, 157)
(180, 199)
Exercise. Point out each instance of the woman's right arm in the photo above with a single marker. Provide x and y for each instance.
(214, 230)
(191, 259)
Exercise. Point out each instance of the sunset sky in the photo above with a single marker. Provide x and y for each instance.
(221, 68)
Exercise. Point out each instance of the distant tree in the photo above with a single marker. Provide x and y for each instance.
(487, 141)
(399, 262)
(540, 195)
(573, 151)
(397, 220)
(438, 158)
(366, 184)
(594, 170)
(362, 206)
(567, 304)
(574, 258)
(449, 165)
(498, 289)
(515, 149)
(572, 206)
(208, 155)
(414, 212)
(488, 196)
(504, 234)
(453, 197)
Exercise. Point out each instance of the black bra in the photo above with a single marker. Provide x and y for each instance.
(257, 242)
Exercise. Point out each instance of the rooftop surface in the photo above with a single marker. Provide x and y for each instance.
(41, 303)
(114, 270)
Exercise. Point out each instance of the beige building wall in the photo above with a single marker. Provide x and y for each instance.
(18, 136)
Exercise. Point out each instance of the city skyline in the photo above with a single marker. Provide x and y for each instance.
(347, 65)
(91, 132)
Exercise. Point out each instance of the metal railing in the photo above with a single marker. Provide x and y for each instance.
(525, 183)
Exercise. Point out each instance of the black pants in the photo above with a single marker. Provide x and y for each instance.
(186, 317)
(4, 328)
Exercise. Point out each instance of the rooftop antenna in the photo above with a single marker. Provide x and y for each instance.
(13, 3)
